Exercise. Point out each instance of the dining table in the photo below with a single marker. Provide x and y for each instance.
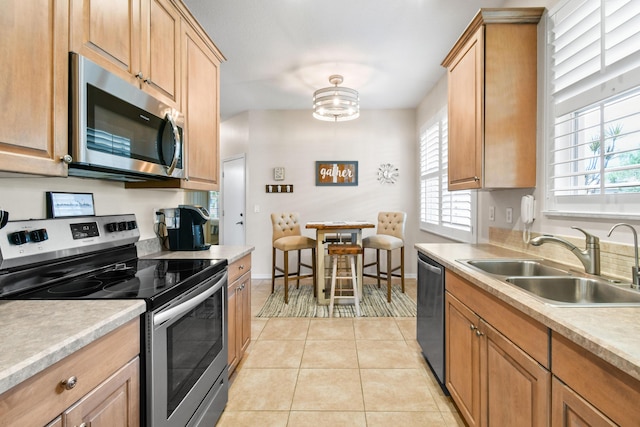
(328, 232)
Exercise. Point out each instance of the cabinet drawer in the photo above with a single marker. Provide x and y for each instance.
(528, 334)
(239, 267)
(606, 387)
(41, 398)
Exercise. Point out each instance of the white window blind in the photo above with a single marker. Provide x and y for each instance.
(450, 214)
(594, 80)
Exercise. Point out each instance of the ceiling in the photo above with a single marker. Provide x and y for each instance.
(279, 52)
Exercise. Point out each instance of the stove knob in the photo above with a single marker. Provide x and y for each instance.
(131, 225)
(19, 237)
(111, 227)
(39, 235)
(122, 226)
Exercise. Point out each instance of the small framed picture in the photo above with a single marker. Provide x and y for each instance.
(278, 173)
(61, 205)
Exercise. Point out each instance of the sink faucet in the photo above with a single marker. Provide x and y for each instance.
(590, 257)
(635, 279)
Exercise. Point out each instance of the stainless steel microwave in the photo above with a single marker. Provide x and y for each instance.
(118, 131)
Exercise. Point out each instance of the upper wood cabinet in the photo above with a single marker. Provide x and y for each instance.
(138, 40)
(201, 109)
(200, 71)
(492, 76)
(34, 65)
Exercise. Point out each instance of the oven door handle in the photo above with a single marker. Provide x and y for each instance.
(184, 307)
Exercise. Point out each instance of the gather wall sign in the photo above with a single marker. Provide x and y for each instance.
(330, 172)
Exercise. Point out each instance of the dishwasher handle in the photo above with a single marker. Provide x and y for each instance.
(431, 268)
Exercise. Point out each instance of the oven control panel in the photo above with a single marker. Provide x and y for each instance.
(30, 241)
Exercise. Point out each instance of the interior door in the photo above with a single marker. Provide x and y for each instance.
(233, 201)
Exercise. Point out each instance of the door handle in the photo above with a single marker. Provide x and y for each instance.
(239, 222)
(177, 144)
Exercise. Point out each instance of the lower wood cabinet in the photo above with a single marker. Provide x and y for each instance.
(493, 381)
(462, 358)
(589, 391)
(239, 310)
(515, 387)
(505, 369)
(571, 410)
(98, 386)
(112, 403)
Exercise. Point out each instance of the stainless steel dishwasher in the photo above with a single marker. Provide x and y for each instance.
(430, 326)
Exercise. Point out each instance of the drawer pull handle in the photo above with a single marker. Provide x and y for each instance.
(472, 327)
(241, 267)
(69, 383)
(478, 333)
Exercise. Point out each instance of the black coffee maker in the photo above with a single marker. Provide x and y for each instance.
(186, 229)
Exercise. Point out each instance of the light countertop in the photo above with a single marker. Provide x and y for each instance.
(228, 252)
(36, 334)
(608, 332)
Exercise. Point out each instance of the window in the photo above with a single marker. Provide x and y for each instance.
(594, 83)
(450, 214)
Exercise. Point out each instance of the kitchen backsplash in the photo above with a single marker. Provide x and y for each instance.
(616, 260)
(148, 246)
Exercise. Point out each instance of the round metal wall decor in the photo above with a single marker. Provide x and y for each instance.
(387, 173)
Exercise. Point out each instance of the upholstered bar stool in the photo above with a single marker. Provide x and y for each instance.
(351, 251)
(389, 237)
(287, 237)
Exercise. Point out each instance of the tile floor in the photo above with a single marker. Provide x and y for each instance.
(334, 372)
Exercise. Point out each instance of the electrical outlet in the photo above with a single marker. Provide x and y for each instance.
(492, 213)
(509, 215)
(256, 208)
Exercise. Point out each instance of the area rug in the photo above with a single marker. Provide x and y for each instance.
(374, 303)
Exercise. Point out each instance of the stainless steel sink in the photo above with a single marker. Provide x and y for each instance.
(515, 267)
(577, 291)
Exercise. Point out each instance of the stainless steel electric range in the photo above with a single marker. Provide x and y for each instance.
(184, 332)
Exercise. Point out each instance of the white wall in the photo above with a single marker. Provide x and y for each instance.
(24, 198)
(295, 140)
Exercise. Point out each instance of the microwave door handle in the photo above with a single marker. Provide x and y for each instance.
(190, 304)
(177, 144)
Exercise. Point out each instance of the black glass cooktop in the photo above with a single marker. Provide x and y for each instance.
(155, 281)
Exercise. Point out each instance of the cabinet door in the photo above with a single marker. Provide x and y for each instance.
(245, 332)
(232, 316)
(571, 410)
(160, 50)
(108, 33)
(34, 69)
(115, 402)
(465, 83)
(515, 388)
(463, 358)
(200, 107)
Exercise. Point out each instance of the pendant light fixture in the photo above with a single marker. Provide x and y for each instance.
(336, 104)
